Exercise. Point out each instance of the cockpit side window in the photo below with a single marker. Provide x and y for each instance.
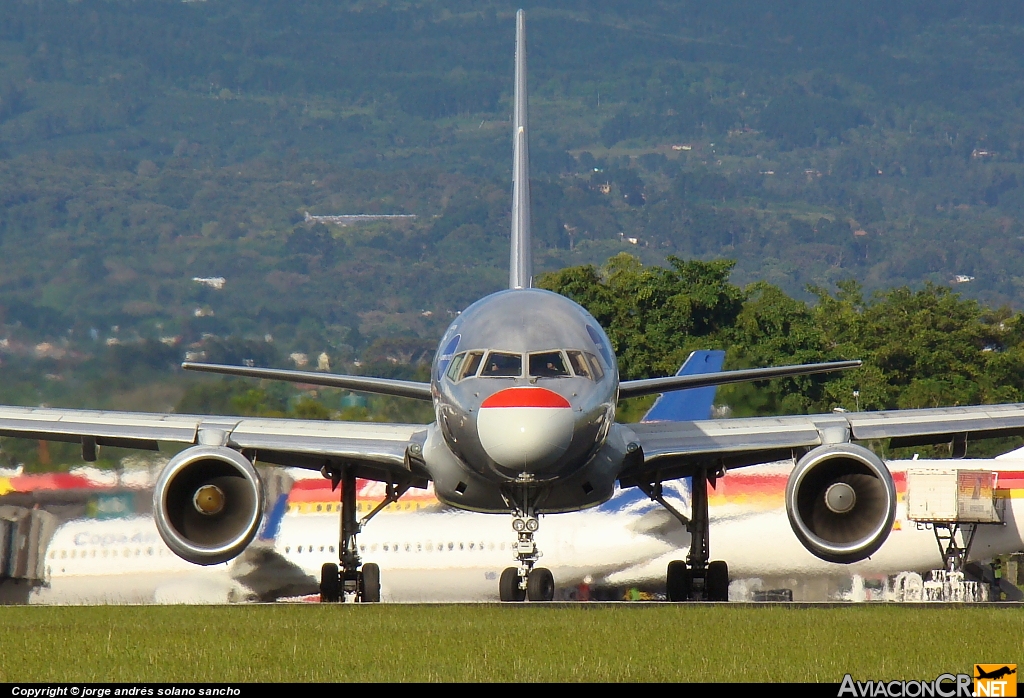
(579, 364)
(502, 365)
(595, 364)
(472, 364)
(455, 365)
(548, 364)
(464, 365)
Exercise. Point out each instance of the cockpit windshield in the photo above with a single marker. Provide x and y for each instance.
(542, 364)
(548, 364)
(501, 365)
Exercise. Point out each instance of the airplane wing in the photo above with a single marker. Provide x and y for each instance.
(378, 451)
(674, 449)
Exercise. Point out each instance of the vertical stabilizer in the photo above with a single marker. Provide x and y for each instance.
(521, 266)
(692, 404)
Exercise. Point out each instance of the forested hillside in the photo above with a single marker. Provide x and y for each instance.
(146, 143)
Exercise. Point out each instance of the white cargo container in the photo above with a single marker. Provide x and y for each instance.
(955, 496)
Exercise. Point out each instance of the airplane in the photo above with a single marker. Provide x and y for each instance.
(996, 674)
(524, 387)
(430, 552)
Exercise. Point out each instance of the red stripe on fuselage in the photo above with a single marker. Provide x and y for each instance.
(526, 397)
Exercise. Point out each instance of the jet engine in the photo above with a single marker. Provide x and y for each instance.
(841, 502)
(208, 504)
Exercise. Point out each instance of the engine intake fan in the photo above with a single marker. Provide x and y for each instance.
(208, 504)
(841, 502)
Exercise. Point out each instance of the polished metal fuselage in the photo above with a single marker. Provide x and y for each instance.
(524, 321)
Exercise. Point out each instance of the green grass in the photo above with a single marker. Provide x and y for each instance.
(655, 642)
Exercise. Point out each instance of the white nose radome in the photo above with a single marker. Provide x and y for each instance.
(525, 429)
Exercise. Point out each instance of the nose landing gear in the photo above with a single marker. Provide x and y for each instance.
(525, 580)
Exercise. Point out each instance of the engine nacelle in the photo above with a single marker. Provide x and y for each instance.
(208, 504)
(841, 502)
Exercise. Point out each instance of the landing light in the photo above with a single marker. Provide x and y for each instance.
(518, 525)
(532, 525)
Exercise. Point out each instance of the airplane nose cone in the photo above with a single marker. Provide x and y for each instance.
(525, 429)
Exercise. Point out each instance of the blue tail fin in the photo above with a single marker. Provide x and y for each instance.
(692, 404)
(272, 523)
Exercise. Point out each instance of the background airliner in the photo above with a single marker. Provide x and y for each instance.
(524, 387)
(433, 553)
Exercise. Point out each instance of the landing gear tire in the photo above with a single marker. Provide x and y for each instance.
(508, 585)
(679, 581)
(540, 585)
(330, 583)
(369, 583)
(717, 581)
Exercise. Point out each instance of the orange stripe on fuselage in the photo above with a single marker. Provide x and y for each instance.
(743, 488)
(525, 397)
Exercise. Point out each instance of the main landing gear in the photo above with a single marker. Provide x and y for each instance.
(351, 578)
(526, 581)
(696, 579)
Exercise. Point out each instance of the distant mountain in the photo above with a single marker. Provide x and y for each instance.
(149, 143)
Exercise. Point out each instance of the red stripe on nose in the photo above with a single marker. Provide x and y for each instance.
(525, 397)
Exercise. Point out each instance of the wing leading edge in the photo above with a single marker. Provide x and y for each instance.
(675, 449)
(378, 451)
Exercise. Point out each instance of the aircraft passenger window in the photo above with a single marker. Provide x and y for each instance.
(472, 546)
(500, 365)
(548, 364)
(287, 548)
(385, 547)
(451, 545)
(596, 366)
(149, 551)
(299, 549)
(579, 364)
(322, 548)
(319, 507)
(330, 548)
(462, 546)
(53, 554)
